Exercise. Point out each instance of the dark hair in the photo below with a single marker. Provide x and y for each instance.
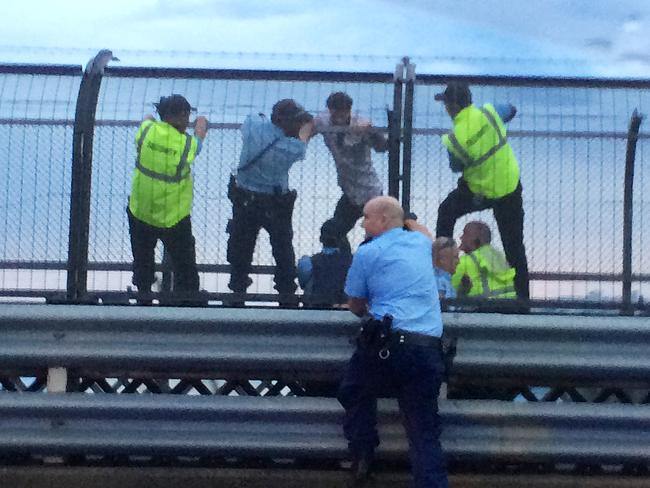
(290, 116)
(173, 105)
(483, 231)
(329, 234)
(339, 101)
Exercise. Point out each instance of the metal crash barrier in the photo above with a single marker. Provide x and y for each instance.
(299, 344)
(252, 384)
(310, 428)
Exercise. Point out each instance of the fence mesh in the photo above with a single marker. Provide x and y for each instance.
(125, 101)
(570, 143)
(570, 140)
(36, 126)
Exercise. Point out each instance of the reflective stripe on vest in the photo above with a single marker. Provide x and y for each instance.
(478, 143)
(487, 292)
(467, 159)
(182, 164)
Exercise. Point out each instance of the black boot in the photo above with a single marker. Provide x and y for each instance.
(235, 300)
(288, 300)
(361, 471)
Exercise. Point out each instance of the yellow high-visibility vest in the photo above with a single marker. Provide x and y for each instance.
(479, 141)
(161, 191)
(489, 272)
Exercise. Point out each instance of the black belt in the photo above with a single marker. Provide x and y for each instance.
(414, 339)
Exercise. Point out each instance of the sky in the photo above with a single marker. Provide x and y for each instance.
(601, 38)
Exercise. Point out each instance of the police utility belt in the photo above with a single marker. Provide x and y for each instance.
(379, 335)
(239, 195)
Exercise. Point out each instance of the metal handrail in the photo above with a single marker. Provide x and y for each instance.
(309, 428)
(314, 344)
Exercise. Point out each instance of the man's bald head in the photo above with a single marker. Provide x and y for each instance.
(390, 208)
(381, 214)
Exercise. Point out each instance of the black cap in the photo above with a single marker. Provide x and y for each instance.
(173, 105)
(456, 92)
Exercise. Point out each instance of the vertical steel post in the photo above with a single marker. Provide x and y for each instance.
(630, 154)
(394, 133)
(407, 137)
(82, 154)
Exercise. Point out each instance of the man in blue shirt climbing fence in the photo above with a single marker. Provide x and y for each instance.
(261, 197)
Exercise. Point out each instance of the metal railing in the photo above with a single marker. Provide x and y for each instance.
(559, 355)
(270, 401)
(583, 172)
(309, 428)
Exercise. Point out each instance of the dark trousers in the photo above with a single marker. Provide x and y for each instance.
(509, 214)
(345, 217)
(250, 213)
(179, 244)
(413, 375)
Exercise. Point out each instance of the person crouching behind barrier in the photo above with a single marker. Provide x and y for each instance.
(322, 276)
(445, 261)
(161, 195)
(445, 257)
(483, 271)
(260, 194)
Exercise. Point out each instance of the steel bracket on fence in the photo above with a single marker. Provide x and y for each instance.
(407, 131)
(82, 153)
(628, 196)
(395, 132)
(400, 133)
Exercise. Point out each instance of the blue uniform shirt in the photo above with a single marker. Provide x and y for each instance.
(443, 280)
(270, 173)
(394, 272)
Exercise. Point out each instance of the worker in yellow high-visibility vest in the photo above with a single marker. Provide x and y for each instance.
(483, 271)
(478, 148)
(161, 194)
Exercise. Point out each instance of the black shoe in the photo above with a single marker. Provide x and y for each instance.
(197, 298)
(144, 298)
(235, 300)
(288, 300)
(522, 306)
(361, 471)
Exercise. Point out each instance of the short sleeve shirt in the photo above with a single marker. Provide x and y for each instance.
(443, 280)
(394, 272)
(270, 172)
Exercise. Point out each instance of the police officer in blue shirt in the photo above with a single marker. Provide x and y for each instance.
(261, 197)
(399, 352)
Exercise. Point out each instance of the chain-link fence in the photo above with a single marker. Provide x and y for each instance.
(36, 125)
(569, 136)
(225, 99)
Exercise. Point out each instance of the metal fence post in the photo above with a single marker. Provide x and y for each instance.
(82, 154)
(394, 133)
(630, 154)
(407, 137)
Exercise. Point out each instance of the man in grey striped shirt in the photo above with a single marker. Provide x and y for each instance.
(350, 140)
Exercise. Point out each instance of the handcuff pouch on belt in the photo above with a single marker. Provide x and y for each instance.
(375, 335)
